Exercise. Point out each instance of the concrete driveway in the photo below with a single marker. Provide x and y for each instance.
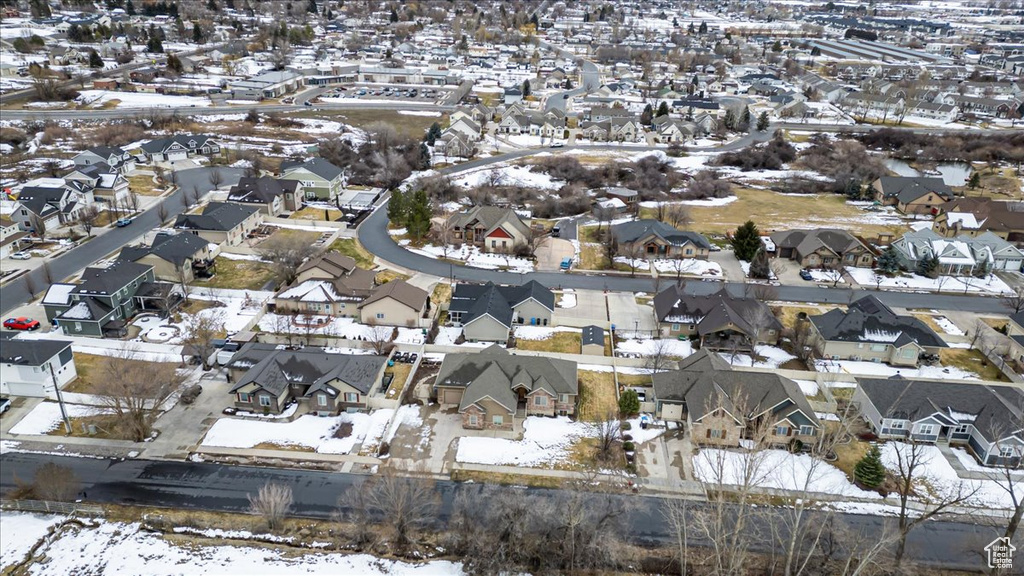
(552, 251)
(590, 309)
(730, 265)
(627, 315)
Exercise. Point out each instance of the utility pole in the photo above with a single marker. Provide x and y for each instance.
(60, 400)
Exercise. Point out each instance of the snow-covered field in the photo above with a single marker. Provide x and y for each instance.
(546, 442)
(885, 370)
(46, 417)
(654, 346)
(778, 469)
(334, 326)
(308, 431)
(767, 357)
(472, 256)
(952, 284)
(508, 176)
(947, 326)
(540, 332)
(940, 477)
(126, 549)
(97, 98)
(688, 266)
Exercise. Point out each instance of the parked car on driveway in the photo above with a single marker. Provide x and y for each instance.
(5, 405)
(20, 256)
(21, 323)
(806, 275)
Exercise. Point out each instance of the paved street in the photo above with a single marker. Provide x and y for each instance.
(215, 487)
(15, 293)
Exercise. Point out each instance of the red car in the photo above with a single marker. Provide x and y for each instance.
(21, 324)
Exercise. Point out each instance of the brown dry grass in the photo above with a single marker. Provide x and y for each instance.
(321, 214)
(238, 274)
(352, 247)
(442, 293)
(401, 372)
(849, 455)
(592, 257)
(972, 361)
(564, 342)
(788, 314)
(506, 479)
(143, 185)
(91, 373)
(385, 276)
(597, 395)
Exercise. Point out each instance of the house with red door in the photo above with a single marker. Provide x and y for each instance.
(492, 228)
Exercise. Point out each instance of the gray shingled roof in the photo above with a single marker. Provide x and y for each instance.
(217, 216)
(274, 370)
(174, 248)
(30, 352)
(476, 300)
(870, 320)
(710, 311)
(318, 166)
(910, 188)
(628, 232)
(807, 241)
(260, 190)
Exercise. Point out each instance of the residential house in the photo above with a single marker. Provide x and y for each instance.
(653, 239)
(592, 341)
(718, 321)
(454, 144)
(493, 389)
(492, 228)
(273, 196)
(113, 156)
(478, 113)
(174, 257)
(604, 113)
(514, 124)
(827, 90)
(547, 125)
(266, 379)
(467, 127)
(974, 216)
(11, 236)
(50, 202)
(513, 95)
(595, 131)
(912, 194)
(985, 418)
(625, 130)
(723, 407)
(931, 111)
(180, 147)
(396, 303)
(105, 299)
(222, 222)
(958, 256)
(26, 366)
(320, 179)
(875, 106)
(488, 312)
(330, 285)
(828, 248)
(106, 183)
(982, 105)
(868, 330)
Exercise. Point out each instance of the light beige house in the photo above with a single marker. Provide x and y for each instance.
(329, 285)
(653, 239)
(828, 248)
(174, 257)
(493, 389)
(722, 406)
(870, 331)
(222, 223)
(492, 228)
(488, 312)
(396, 303)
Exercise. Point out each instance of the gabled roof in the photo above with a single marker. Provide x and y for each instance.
(400, 291)
(274, 370)
(318, 166)
(910, 188)
(332, 263)
(174, 248)
(592, 335)
(216, 216)
(106, 281)
(807, 241)
(710, 312)
(629, 232)
(190, 142)
(870, 320)
(983, 406)
(490, 217)
(705, 382)
(493, 373)
(31, 352)
(260, 190)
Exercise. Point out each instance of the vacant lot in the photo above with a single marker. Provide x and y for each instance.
(788, 314)
(91, 372)
(322, 214)
(772, 211)
(143, 184)
(413, 126)
(971, 360)
(239, 274)
(564, 342)
(597, 395)
(352, 247)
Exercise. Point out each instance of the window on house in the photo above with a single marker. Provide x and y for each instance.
(540, 400)
(497, 420)
(1006, 452)
(264, 400)
(962, 429)
(380, 315)
(897, 424)
(321, 399)
(473, 420)
(563, 398)
(926, 429)
(807, 431)
(717, 434)
(675, 327)
(78, 326)
(351, 397)
(782, 430)
(909, 353)
(244, 397)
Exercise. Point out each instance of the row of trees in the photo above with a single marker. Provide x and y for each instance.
(411, 210)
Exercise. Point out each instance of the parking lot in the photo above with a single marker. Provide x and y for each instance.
(417, 93)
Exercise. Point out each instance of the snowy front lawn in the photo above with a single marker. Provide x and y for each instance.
(684, 266)
(472, 256)
(126, 548)
(331, 326)
(447, 335)
(947, 326)
(314, 432)
(546, 443)
(952, 284)
(766, 357)
(779, 469)
(936, 476)
(46, 417)
(884, 370)
(656, 346)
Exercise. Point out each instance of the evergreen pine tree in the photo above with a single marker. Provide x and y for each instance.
(928, 266)
(526, 88)
(629, 403)
(703, 27)
(197, 33)
(424, 156)
(762, 122)
(889, 261)
(746, 241)
(647, 115)
(129, 8)
(691, 29)
(759, 267)
(311, 8)
(394, 16)
(94, 59)
(418, 217)
(396, 207)
(870, 472)
(154, 45)
(729, 121)
(744, 119)
(662, 109)
(975, 180)
(212, 5)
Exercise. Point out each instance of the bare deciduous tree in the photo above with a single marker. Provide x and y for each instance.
(38, 225)
(608, 432)
(56, 483)
(285, 254)
(380, 338)
(403, 505)
(201, 330)
(87, 218)
(273, 502)
(161, 212)
(134, 390)
(216, 177)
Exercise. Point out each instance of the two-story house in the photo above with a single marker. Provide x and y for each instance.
(113, 156)
(267, 379)
(320, 179)
(271, 195)
(986, 418)
(330, 285)
(107, 184)
(723, 407)
(222, 222)
(492, 389)
(718, 321)
(174, 257)
(912, 194)
(50, 203)
(26, 365)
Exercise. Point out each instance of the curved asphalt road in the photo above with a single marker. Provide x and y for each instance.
(15, 293)
(217, 487)
(373, 235)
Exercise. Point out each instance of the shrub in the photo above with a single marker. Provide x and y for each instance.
(870, 472)
(626, 426)
(629, 403)
(628, 446)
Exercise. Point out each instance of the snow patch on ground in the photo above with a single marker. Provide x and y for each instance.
(952, 284)
(935, 474)
(19, 531)
(885, 370)
(767, 357)
(540, 332)
(654, 346)
(46, 417)
(309, 431)
(778, 469)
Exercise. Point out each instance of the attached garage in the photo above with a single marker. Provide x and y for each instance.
(451, 396)
(30, 389)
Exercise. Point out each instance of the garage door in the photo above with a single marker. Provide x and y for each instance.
(452, 397)
(177, 155)
(25, 389)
